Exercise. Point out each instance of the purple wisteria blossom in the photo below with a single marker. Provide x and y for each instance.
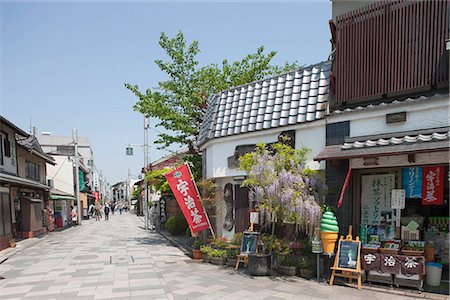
(283, 187)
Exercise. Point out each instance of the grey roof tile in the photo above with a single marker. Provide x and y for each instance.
(290, 98)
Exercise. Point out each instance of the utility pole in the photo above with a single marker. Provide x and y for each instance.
(77, 174)
(145, 206)
(128, 186)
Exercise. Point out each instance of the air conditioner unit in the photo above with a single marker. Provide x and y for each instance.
(50, 183)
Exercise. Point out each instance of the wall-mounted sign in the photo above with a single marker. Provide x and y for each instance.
(376, 197)
(412, 182)
(433, 186)
(398, 199)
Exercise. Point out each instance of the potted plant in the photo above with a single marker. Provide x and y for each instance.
(12, 243)
(218, 256)
(305, 266)
(232, 254)
(196, 253)
(205, 250)
(287, 265)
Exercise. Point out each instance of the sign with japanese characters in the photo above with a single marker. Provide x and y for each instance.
(412, 182)
(433, 186)
(185, 191)
(348, 254)
(398, 199)
(376, 197)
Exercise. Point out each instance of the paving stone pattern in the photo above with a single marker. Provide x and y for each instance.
(119, 259)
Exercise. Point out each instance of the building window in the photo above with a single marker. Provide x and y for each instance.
(337, 132)
(32, 171)
(7, 146)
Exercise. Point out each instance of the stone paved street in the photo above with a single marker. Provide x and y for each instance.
(119, 259)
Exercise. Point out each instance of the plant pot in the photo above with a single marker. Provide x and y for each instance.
(205, 258)
(274, 261)
(287, 270)
(196, 254)
(306, 273)
(259, 264)
(328, 241)
(218, 260)
(231, 262)
(12, 244)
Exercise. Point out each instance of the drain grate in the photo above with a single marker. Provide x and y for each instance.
(121, 260)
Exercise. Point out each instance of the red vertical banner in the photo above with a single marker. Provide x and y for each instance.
(344, 187)
(97, 196)
(185, 191)
(433, 186)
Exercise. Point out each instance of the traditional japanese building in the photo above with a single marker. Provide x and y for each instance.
(292, 104)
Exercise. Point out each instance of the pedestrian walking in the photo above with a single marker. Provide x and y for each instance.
(113, 207)
(97, 212)
(91, 211)
(73, 215)
(107, 209)
(120, 207)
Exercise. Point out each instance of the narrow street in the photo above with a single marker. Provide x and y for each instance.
(119, 259)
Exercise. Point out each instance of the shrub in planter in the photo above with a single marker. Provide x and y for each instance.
(237, 239)
(305, 266)
(205, 250)
(176, 225)
(219, 243)
(287, 265)
(218, 256)
(232, 256)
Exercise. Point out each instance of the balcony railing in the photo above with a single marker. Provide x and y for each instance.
(390, 48)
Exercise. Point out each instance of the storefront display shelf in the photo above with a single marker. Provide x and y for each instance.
(412, 252)
(414, 281)
(379, 277)
(388, 251)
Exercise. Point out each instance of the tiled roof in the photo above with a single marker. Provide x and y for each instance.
(438, 135)
(425, 140)
(390, 104)
(287, 99)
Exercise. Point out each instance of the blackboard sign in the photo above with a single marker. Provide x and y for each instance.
(348, 254)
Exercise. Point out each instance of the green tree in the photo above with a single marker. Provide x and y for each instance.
(181, 101)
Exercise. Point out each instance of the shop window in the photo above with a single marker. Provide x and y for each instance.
(32, 171)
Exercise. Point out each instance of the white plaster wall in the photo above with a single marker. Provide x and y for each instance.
(421, 115)
(62, 174)
(311, 135)
(9, 163)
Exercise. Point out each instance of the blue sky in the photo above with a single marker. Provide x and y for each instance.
(64, 64)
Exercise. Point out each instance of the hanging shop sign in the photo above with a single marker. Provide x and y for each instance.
(433, 186)
(412, 182)
(183, 187)
(162, 210)
(376, 197)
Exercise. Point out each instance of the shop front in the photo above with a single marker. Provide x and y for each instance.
(399, 200)
(61, 208)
